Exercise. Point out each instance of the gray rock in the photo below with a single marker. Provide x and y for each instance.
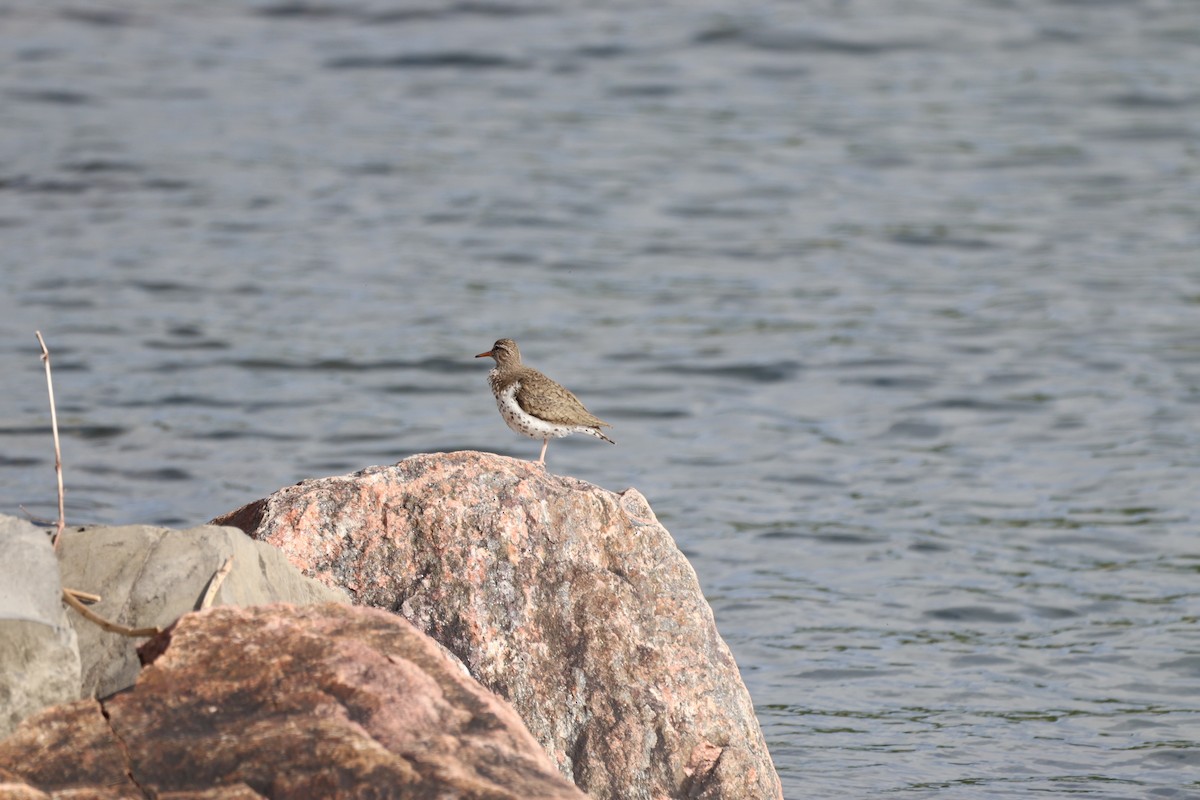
(151, 576)
(39, 658)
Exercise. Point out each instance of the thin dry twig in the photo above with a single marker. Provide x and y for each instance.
(86, 597)
(213, 585)
(112, 627)
(62, 517)
(34, 518)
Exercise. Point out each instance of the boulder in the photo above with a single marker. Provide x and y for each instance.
(39, 656)
(324, 701)
(570, 601)
(70, 745)
(149, 577)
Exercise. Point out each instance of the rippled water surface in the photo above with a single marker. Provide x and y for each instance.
(895, 308)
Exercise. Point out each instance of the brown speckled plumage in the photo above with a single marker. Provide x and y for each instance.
(534, 405)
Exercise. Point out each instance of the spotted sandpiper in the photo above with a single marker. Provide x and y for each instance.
(532, 404)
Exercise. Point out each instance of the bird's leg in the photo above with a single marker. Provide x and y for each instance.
(542, 457)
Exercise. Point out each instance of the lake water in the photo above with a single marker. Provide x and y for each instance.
(894, 307)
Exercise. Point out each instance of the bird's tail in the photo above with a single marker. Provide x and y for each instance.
(596, 432)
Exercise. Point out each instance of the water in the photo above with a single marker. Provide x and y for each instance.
(894, 308)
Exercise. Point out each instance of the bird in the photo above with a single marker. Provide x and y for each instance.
(532, 404)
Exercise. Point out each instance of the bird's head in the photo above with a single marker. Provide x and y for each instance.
(504, 351)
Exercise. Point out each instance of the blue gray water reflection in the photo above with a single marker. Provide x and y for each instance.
(894, 307)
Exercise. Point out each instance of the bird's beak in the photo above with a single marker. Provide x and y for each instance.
(484, 355)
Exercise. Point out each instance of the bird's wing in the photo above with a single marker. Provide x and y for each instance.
(544, 398)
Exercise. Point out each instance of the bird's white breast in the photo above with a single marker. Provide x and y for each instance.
(525, 423)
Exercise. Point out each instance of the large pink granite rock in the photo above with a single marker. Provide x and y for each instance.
(569, 600)
(324, 701)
